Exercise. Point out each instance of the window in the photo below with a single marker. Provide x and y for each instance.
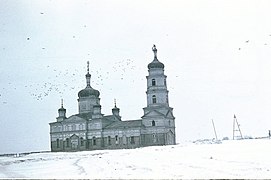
(67, 142)
(124, 140)
(117, 139)
(167, 98)
(83, 106)
(94, 140)
(82, 141)
(73, 127)
(109, 140)
(165, 82)
(153, 99)
(132, 140)
(153, 123)
(153, 82)
(57, 143)
(154, 138)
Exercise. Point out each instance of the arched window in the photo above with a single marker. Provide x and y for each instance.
(81, 141)
(153, 123)
(153, 99)
(94, 140)
(67, 142)
(57, 143)
(165, 82)
(153, 82)
(117, 139)
(109, 140)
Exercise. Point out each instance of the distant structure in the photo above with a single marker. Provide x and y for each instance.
(91, 130)
(238, 130)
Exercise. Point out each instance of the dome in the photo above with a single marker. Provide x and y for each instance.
(88, 91)
(156, 64)
(61, 109)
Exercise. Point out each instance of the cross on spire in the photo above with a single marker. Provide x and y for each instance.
(61, 103)
(154, 51)
(88, 75)
(88, 66)
(115, 103)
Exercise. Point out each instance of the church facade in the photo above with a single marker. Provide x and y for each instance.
(92, 130)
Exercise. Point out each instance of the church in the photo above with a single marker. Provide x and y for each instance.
(92, 130)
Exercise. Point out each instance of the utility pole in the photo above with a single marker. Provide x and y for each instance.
(214, 129)
(236, 130)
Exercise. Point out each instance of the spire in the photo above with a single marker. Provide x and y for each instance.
(115, 103)
(61, 112)
(88, 66)
(154, 51)
(155, 63)
(88, 75)
(115, 110)
(61, 103)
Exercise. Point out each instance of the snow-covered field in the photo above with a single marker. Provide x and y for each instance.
(230, 159)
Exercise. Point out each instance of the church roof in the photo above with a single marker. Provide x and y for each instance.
(125, 124)
(85, 116)
(112, 117)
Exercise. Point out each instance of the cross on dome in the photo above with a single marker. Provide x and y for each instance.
(88, 67)
(154, 51)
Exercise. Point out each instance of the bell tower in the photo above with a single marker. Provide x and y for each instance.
(158, 115)
(157, 93)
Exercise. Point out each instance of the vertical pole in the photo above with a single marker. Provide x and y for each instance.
(214, 129)
(233, 127)
(239, 129)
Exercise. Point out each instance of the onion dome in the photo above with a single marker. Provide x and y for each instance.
(62, 108)
(115, 110)
(155, 63)
(61, 112)
(88, 91)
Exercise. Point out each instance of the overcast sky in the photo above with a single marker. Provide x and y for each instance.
(216, 55)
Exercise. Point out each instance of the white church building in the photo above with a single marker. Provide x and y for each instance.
(91, 130)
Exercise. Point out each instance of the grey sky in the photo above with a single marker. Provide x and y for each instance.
(216, 56)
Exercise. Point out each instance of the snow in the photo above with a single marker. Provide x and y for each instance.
(227, 159)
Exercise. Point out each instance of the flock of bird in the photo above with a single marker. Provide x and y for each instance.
(61, 81)
(58, 82)
(121, 67)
